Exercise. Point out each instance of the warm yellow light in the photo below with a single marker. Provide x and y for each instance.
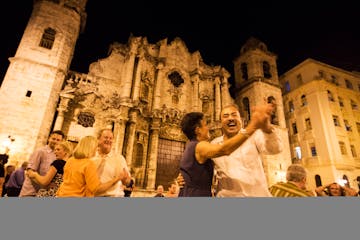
(6, 143)
(342, 182)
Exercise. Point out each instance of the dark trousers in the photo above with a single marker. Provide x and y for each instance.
(13, 192)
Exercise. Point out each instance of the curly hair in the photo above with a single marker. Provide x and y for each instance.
(189, 123)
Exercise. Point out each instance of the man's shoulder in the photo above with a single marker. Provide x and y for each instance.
(113, 157)
(43, 149)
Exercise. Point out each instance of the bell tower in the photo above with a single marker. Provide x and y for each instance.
(256, 81)
(30, 90)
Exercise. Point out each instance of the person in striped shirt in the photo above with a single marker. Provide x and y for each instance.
(295, 185)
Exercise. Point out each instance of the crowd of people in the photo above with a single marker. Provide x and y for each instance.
(227, 166)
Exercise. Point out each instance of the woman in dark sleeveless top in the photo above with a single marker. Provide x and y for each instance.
(198, 177)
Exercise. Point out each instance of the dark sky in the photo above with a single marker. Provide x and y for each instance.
(327, 31)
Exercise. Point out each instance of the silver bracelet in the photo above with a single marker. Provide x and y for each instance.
(244, 132)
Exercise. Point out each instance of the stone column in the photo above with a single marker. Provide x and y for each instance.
(131, 138)
(152, 155)
(136, 88)
(128, 75)
(158, 86)
(225, 93)
(195, 84)
(217, 98)
(119, 135)
(63, 107)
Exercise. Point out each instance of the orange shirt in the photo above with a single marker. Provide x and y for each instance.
(80, 178)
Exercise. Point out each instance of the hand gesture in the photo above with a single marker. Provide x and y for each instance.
(180, 180)
(124, 176)
(30, 173)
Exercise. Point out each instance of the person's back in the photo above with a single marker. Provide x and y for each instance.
(80, 178)
(295, 185)
(288, 189)
(16, 181)
(9, 170)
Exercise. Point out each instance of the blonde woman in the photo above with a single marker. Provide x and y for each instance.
(53, 178)
(80, 172)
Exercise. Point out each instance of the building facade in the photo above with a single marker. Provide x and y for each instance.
(323, 116)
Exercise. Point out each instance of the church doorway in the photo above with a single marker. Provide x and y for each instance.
(169, 155)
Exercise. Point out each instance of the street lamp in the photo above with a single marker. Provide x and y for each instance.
(7, 143)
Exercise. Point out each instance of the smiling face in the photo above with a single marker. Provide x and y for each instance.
(59, 151)
(335, 189)
(54, 139)
(230, 121)
(105, 141)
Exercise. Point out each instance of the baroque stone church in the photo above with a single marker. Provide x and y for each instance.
(141, 90)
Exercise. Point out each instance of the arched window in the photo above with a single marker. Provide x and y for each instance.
(244, 71)
(291, 106)
(48, 38)
(330, 96)
(274, 115)
(341, 102)
(318, 180)
(205, 105)
(175, 99)
(266, 69)
(287, 86)
(348, 84)
(346, 180)
(354, 105)
(303, 100)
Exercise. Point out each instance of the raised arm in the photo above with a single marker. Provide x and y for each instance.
(320, 191)
(260, 119)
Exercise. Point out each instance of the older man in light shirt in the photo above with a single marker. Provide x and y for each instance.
(110, 164)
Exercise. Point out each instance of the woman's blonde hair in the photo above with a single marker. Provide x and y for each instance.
(67, 146)
(86, 147)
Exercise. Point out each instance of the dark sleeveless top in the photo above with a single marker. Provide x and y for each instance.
(198, 177)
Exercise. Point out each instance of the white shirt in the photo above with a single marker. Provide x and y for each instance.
(114, 164)
(241, 174)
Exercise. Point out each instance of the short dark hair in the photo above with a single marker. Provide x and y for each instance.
(189, 122)
(59, 132)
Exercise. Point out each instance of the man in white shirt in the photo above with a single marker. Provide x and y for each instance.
(110, 165)
(241, 174)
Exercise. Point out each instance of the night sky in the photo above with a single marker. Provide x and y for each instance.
(293, 31)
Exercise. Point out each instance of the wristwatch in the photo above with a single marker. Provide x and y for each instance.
(244, 132)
